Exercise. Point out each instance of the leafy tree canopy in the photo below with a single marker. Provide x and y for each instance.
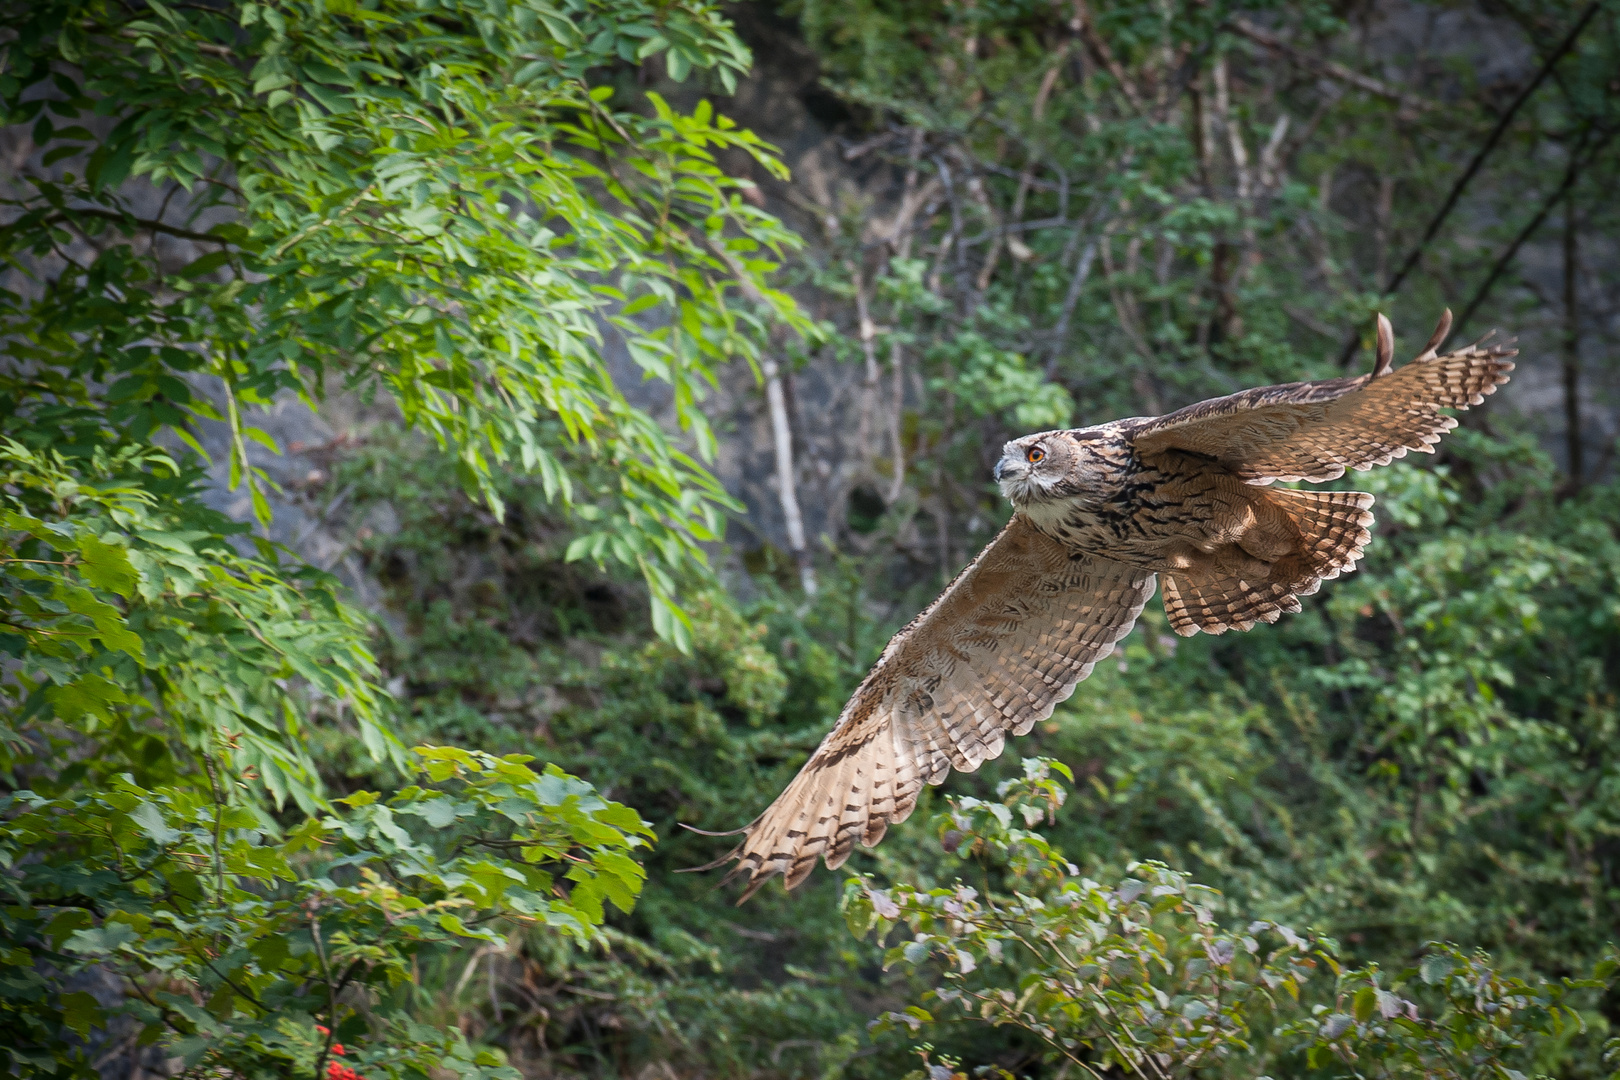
(1281, 851)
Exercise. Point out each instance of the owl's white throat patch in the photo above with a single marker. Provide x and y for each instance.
(1048, 514)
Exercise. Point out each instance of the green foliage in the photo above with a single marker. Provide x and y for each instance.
(500, 644)
(261, 953)
(1140, 976)
(133, 621)
(993, 382)
(433, 202)
(429, 202)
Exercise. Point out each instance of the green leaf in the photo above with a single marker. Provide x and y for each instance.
(88, 695)
(439, 813)
(454, 925)
(679, 64)
(81, 1012)
(1436, 967)
(642, 303)
(151, 822)
(205, 264)
(106, 566)
(102, 940)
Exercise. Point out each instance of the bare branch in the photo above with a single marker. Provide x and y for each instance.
(66, 218)
(1329, 68)
(1576, 163)
(866, 146)
(1348, 355)
(787, 487)
(1087, 29)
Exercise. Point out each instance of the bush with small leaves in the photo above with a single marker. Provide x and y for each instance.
(1142, 976)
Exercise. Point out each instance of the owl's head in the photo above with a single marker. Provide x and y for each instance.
(1033, 468)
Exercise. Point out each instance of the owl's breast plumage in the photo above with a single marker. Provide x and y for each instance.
(1131, 509)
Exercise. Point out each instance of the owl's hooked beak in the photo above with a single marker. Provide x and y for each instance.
(1012, 472)
(1009, 468)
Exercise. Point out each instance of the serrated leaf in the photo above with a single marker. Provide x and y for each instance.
(81, 1012)
(106, 566)
(150, 820)
(1435, 968)
(205, 264)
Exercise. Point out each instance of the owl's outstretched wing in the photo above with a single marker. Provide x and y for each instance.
(1005, 642)
(1316, 430)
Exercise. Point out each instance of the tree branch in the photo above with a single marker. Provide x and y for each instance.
(1349, 352)
(1331, 69)
(1572, 349)
(129, 219)
(1571, 174)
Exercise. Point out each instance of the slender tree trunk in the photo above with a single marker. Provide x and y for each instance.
(1382, 216)
(869, 385)
(1203, 137)
(897, 422)
(787, 489)
(901, 245)
(1572, 347)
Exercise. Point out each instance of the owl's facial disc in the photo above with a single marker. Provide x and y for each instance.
(1031, 468)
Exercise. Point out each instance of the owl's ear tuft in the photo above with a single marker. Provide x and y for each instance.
(1385, 357)
(1442, 330)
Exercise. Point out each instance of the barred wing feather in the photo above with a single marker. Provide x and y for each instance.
(1006, 641)
(1316, 430)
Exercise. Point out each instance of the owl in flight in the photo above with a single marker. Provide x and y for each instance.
(1101, 514)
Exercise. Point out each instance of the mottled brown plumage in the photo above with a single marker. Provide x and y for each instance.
(1100, 513)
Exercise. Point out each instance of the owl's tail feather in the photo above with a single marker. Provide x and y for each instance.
(1332, 528)
(1221, 602)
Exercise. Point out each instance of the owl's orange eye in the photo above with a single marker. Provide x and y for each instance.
(1036, 455)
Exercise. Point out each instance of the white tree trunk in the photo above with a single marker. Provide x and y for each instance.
(787, 489)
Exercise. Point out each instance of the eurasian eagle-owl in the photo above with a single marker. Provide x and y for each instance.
(1100, 513)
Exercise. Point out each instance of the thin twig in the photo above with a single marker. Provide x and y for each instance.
(1571, 174)
(129, 219)
(212, 49)
(1347, 356)
(1332, 70)
(301, 234)
(1105, 56)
